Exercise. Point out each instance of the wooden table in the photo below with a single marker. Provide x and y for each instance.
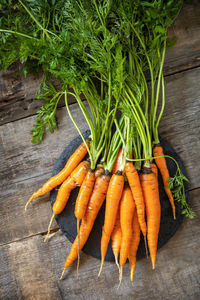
(29, 268)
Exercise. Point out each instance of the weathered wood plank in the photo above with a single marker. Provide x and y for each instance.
(186, 52)
(16, 92)
(25, 167)
(180, 124)
(30, 269)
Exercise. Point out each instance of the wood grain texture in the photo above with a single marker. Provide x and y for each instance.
(25, 167)
(30, 269)
(186, 28)
(17, 92)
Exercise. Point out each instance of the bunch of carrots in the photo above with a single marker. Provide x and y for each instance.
(112, 53)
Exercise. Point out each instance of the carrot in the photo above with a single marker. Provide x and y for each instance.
(154, 169)
(134, 244)
(116, 238)
(127, 208)
(118, 161)
(153, 211)
(113, 197)
(99, 170)
(134, 183)
(56, 180)
(84, 195)
(82, 202)
(75, 179)
(95, 203)
(162, 165)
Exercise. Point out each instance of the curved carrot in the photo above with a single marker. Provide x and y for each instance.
(153, 211)
(162, 165)
(56, 180)
(118, 161)
(134, 183)
(99, 170)
(84, 194)
(116, 238)
(75, 179)
(134, 244)
(113, 197)
(127, 208)
(95, 203)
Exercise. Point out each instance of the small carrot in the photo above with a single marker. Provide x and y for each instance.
(162, 165)
(116, 238)
(75, 179)
(134, 244)
(113, 197)
(153, 211)
(99, 170)
(127, 208)
(118, 161)
(56, 180)
(82, 202)
(134, 183)
(95, 203)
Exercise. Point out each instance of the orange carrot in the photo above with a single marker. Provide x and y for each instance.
(127, 208)
(84, 194)
(153, 211)
(134, 183)
(113, 197)
(95, 203)
(134, 244)
(154, 169)
(99, 170)
(118, 161)
(116, 238)
(56, 180)
(162, 165)
(75, 179)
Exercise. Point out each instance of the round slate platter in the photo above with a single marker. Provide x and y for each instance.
(67, 221)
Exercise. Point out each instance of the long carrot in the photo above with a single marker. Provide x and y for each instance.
(84, 194)
(56, 180)
(127, 208)
(99, 170)
(95, 203)
(162, 165)
(113, 197)
(116, 238)
(118, 161)
(82, 202)
(134, 244)
(153, 211)
(134, 183)
(75, 179)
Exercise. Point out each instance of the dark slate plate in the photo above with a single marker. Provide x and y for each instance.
(67, 221)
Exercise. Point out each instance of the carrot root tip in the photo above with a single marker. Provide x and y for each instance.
(153, 265)
(101, 267)
(116, 261)
(49, 228)
(63, 272)
(27, 203)
(120, 276)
